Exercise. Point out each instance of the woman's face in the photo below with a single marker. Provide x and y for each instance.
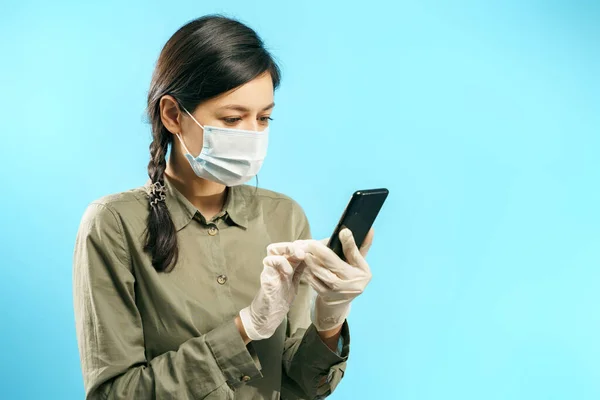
(247, 107)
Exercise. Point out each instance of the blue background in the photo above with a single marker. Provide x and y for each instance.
(482, 118)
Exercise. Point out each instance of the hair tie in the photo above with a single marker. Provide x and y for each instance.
(156, 191)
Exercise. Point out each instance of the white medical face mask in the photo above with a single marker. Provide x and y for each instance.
(228, 156)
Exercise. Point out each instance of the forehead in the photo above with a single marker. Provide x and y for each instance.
(255, 94)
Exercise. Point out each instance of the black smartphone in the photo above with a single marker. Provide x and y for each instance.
(359, 216)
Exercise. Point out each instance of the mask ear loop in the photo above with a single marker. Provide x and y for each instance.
(179, 135)
(192, 117)
(183, 143)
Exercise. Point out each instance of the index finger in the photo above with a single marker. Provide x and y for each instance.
(286, 249)
(319, 249)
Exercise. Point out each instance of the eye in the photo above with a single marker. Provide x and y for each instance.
(265, 120)
(231, 120)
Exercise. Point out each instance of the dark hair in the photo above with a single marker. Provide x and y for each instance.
(203, 59)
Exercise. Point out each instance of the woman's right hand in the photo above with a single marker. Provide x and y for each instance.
(278, 287)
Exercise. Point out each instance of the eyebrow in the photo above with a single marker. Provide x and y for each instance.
(240, 108)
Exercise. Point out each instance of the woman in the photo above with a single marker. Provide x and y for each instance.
(176, 294)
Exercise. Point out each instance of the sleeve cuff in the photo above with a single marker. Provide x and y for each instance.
(324, 356)
(315, 367)
(237, 361)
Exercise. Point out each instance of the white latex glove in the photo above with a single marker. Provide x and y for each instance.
(336, 282)
(278, 287)
(289, 251)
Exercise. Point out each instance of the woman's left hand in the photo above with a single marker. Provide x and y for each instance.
(336, 282)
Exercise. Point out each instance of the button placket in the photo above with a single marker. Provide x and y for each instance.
(213, 231)
(222, 274)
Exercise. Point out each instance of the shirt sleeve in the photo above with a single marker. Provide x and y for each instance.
(110, 334)
(311, 369)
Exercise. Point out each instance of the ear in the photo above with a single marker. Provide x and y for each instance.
(170, 114)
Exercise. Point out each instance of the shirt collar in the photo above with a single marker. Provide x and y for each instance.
(182, 211)
(235, 206)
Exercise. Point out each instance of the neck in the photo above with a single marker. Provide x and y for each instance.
(207, 196)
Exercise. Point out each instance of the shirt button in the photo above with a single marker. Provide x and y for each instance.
(245, 378)
(212, 230)
(221, 279)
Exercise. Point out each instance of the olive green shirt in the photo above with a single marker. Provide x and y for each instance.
(149, 335)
